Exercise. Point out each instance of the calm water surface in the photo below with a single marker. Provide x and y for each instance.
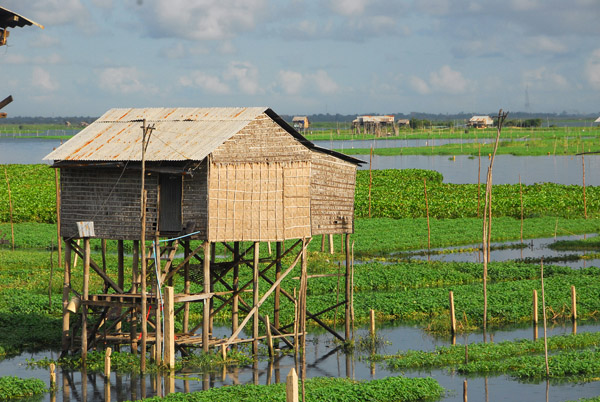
(324, 358)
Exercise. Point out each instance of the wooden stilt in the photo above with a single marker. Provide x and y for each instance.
(134, 289)
(206, 289)
(255, 298)
(84, 298)
(348, 286)
(169, 335)
(66, 341)
(144, 304)
(158, 337)
(452, 314)
(278, 250)
(331, 250)
(236, 298)
(186, 286)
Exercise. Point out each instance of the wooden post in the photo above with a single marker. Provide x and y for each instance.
(236, 299)
(269, 338)
(370, 178)
(66, 338)
(144, 303)
(303, 294)
(521, 196)
(169, 335)
(465, 391)
(255, 298)
(278, 251)
(479, 181)
(120, 278)
(58, 237)
(224, 351)
(186, 286)
(535, 307)
(452, 314)
(584, 199)
(348, 290)
(158, 338)
(107, 355)
(52, 376)
(134, 289)
(544, 316)
(206, 290)
(322, 243)
(427, 210)
(84, 298)
(12, 229)
(372, 321)
(296, 319)
(331, 250)
(573, 303)
(291, 386)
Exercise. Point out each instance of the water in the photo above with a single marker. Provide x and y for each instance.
(536, 249)
(26, 151)
(324, 358)
(507, 168)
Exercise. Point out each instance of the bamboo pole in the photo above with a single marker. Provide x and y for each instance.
(269, 338)
(135, 279)
(144, 302)
(535, 307)
(107, 355)
(235, 286)
(206, 290)
(427, 209)
(521, 196)
(66, 338)
(84, 298)
(276, 302)
(58, 237)
(573, 303)
(372, 321)
(169, 335)
(10, 206)
(544, 317)
(255, 298)
(331, 250)
(348, 290)
(370, 178)
(452, 313)
(479, 181)
(584, 198)
(186, 286)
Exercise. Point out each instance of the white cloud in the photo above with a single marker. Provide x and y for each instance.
(541, 44)
(11, 58)
(207, 82)
(524, 5)
(349, 7)
(592, 69)
(44, 41)
(201, 19)
(448, 80)
(292, 82)
(41, 79)
(121, 80)
(246, 76)
(324, 83)
(419, 85)
(544, 79)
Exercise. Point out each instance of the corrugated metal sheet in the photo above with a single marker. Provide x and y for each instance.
(179, 134)
(9, 19)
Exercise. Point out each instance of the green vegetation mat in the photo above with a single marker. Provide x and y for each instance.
(391, 389)
(395, 194)
(15, 387)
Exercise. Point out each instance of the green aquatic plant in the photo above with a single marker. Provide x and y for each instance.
(14, 387)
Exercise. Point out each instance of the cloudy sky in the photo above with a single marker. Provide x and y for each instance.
(304, 57)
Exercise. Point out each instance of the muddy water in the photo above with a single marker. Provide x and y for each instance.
(324, 358)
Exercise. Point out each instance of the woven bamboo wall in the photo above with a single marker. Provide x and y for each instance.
(195, 200)
(262, 140)
(108, 199)
(332, 194)
(259, 201)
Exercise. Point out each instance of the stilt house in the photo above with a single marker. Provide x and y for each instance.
(224, 175)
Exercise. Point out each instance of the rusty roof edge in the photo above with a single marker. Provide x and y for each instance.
(30, 21)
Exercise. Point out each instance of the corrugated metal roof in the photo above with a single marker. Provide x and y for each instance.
(179, 134)
(9, 19)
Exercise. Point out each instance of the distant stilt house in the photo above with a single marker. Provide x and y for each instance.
(597, 121)
(234, 176)
(300, 123)
(373, 124)
(480, 122)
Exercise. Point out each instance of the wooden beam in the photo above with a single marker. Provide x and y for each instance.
(6, 101)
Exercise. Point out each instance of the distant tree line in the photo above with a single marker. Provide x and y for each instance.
(74, 120)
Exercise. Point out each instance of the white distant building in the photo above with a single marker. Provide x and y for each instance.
(597, 120)
(480, 121)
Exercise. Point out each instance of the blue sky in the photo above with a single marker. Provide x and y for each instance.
(304, 57)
